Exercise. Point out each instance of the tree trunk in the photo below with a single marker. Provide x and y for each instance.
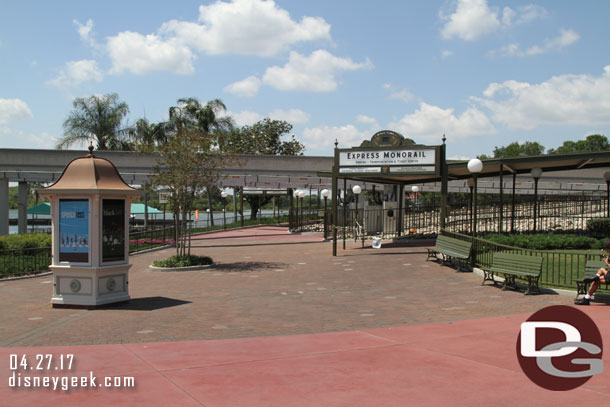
(211, 214)
(177, 231)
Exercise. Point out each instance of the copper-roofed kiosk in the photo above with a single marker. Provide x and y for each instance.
(90, 205)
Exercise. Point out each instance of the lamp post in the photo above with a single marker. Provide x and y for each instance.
(475, 166)
(295, 194)
(536, 174)
(470, 183)
(302, 196)
(223, 195)
(414, 191)
(607, 178)
(325, 193)
(356, 190)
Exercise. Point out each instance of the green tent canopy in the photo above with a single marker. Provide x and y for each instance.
(40, 209)
(138, 209)
(45, 209)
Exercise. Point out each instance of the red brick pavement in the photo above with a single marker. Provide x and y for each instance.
(378, 327)
(266, 282)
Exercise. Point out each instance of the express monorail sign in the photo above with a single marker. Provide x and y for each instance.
(388, 154)
(388, 157)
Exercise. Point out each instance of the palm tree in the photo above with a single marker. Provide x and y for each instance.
(204, 118)
(98, 118)
(146, 137)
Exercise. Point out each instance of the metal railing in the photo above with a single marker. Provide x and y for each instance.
(15, 262)
(559, 268)
(140, 240)
(568, 213)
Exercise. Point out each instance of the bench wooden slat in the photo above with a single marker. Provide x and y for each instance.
(515, 266)
(452, 248)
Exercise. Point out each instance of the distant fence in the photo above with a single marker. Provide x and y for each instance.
(422, 215)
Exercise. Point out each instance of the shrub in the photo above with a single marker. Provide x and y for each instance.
(599, 227)
(183, 261)
(547, 241)
(27, 241)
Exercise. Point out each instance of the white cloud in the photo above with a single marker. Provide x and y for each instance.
(561, 100)
(13, 109)
(323, 138)
(508, 15)
(529, 13)
(21, 139)
(75, 73)
(397, 93)
(140, 54)
(471, 20)
(85, 32)
(292, 116)
(246, 87)
(459, 158)
(361, 118)
(429, 123)
(314, 73)
(446, 53)
(245, 117)
(564, 39)
(246, 27)
(42, 141)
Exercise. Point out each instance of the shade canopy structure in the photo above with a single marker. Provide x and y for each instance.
(138, 209)
(45, 209)
(390, 159)
(496, 166)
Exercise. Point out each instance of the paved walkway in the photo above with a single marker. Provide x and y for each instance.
(280, 322)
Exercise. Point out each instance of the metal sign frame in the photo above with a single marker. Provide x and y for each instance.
(387, 162)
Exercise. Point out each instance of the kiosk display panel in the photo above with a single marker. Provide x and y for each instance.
(74, 230)
(113, 230)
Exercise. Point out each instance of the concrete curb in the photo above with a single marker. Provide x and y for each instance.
(545, 290)
(46, 273)
(154, 249)
(188, 268)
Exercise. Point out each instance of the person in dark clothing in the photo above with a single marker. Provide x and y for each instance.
(601, 277)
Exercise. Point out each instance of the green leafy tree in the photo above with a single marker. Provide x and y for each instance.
(592, 143)
(262, 138)
(188, 163)
(99, 119)
(515, 149)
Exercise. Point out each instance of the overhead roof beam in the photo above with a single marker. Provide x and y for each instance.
(582, 164)
(509, 168)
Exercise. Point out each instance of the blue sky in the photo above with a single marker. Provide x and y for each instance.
(485, 73)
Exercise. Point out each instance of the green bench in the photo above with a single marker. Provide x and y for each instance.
(591, 267)
(450, 248)
(513, 266)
